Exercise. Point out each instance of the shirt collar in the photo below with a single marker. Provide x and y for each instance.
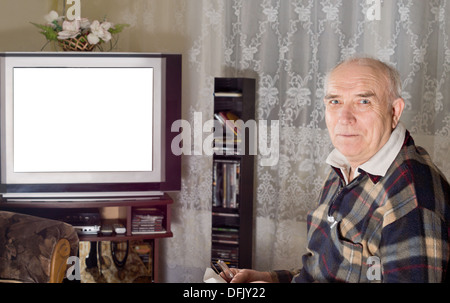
(377, 166)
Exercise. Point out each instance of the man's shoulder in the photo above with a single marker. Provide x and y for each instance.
(415, 170)
(416, 160)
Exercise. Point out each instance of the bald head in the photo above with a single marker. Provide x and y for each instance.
(390, 74)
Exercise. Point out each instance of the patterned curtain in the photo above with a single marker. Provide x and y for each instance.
(288, 46)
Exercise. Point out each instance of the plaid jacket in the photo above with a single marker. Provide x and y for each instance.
(380, 229)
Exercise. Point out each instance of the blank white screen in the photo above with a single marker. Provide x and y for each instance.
(83, 119)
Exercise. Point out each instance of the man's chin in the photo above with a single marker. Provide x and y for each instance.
(349, 152)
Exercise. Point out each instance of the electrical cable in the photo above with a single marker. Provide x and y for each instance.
(119, 263)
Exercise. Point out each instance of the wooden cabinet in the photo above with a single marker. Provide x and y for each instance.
(128, 207)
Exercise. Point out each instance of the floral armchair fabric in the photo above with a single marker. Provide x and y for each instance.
(34, 249)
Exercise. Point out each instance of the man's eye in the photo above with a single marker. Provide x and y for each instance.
(363, 105)
(334, 102)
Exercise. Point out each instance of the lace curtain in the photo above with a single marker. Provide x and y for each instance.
(287, 46)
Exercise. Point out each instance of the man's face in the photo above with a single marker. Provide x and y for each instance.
(358, 116)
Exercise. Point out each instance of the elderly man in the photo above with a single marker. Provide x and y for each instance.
(383, 213)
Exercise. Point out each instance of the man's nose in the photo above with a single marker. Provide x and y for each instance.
(346, 114)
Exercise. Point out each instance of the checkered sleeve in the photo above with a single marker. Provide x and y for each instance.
(414, 248)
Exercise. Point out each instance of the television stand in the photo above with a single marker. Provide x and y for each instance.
(78, 200)
(81, 196)
(125, 208)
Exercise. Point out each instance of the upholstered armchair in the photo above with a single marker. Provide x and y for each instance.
(34, 249)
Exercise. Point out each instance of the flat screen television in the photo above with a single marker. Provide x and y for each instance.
(88, 125)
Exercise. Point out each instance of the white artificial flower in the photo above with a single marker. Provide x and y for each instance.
(85, 23)
(71, 29)
(95, 25)
(50, 17)
(101, 30)
(93, 39)
(71, 25)
(106, 25)
(62, 35)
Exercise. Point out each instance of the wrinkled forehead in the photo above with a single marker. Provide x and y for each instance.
(353, 75)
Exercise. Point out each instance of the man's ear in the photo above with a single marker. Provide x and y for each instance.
(397, 109)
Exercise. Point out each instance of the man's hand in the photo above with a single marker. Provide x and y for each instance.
(248, 276)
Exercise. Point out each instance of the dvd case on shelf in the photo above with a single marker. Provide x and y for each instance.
(229, 254)
(226, 174)
(147, 221)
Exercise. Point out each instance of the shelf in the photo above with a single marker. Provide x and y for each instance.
(220, 209)
(160, 200)
(119, 238)
(224, 104)
(233, 174)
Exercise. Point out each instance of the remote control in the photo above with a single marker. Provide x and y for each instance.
(119, 228)
(106, 229)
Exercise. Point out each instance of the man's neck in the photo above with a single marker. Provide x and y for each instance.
(351, 174)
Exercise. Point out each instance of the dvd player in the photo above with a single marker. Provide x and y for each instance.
(84, 221)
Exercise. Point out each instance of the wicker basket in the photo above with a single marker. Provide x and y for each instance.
(79, 44)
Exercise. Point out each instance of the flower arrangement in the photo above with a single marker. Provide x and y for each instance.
(79, 34)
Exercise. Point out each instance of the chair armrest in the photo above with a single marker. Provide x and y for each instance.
(58, 265)
(34, 249)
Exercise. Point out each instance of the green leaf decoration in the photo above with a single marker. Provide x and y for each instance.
(47, 31)
(117, 28)
(57, 26)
